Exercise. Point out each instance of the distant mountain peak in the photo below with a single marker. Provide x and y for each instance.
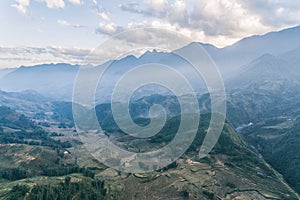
(51, 65)
(150, 53)
(279, 33)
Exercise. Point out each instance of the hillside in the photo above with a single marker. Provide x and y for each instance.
(276, 139)
(232, 171)
(266, 95)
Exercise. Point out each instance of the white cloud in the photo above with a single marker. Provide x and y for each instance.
(100, 11)
(79, 26)
(276, 12)
(66, 23)
(157, 5)
(55, 3)
(220, 22)
(21, 5)
(224, 17)
(190, 33)
(179, 14)
(17, 56)
(63, 22)
(78, 2)
(131, 7)
(103, 14)
(108, 28)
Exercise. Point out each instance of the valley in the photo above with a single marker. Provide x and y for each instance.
(231, 171)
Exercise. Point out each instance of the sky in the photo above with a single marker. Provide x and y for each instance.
(44, 31)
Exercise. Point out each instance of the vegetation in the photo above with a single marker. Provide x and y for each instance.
(68, 189)
(278, 148)
(18, 192)
(13, 174)
(11, 119)
(37, 137)
(273, 107)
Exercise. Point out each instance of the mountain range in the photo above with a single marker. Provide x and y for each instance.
(247, 56)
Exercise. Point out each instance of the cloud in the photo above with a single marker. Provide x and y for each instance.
(103, 14)
(220, 22)
(108, 28)
(114, 49)
(223, 17)
(54, 3)
(66, 23)
(100, 11)
(206, 21)
(79, 26)
(72, 54)
(130, 7)
(17, 56)
(149, 8)
(158, 6)
(63, 22)
(278, 13)
(179, 14)
(78, 2)
(21, 5)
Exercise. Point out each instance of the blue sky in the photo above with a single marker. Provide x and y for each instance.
(41, 31)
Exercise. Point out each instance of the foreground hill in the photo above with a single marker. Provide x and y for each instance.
(232, 171)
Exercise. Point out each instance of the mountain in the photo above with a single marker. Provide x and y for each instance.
(230, 58)
(248, 49)
(268, 69)
(265, 88)
(56, 80)
(50, 80)
(293, 59)
(274, 43)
